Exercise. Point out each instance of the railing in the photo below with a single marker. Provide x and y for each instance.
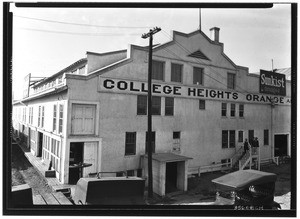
(236, 157)
(245, 159)
(210, 168)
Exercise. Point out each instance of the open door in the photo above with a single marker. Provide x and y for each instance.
(90, 156)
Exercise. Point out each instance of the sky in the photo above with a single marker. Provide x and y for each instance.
(44, 41)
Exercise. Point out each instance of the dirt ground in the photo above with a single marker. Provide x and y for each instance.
(23, 172)
(201, 191)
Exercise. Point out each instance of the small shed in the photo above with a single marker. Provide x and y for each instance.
(170, 172)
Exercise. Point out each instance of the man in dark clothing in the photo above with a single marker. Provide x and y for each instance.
(246, 145)
(255, 142)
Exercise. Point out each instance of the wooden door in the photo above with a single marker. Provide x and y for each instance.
(90, 155)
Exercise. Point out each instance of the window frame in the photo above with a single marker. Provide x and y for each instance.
(156, 105)
(201, 73)
(176, 135)
(174, 73)
(224, 109)
(203, 105)
(60, 118)
(240, 136)
(232, 139)
(241, 110)
(232, 110)
(154, 74)
(141, 104)
(231, 84)
(54, 124)
(130, 145)
(169, 106)
(225, 138)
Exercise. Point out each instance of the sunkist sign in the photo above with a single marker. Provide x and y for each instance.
(138, 87)
(272, 83)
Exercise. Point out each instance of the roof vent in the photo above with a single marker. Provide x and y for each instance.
(198, 54)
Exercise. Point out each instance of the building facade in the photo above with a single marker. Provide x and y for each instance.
(204, 107)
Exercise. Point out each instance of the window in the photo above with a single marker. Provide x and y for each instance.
(176, 135)
(156, 105)
(202, 104)
(158, 69)
(39, 116)
(224, 139)
(54, 117)
(232, 138)
(169, 106)
(176, 72)
(224, 109)
(241, 136)
(141, 105)
(152, 142)
(198, 76)
(30, 115)
(241, 110)
(232, 110)
(83, 119)
(61, 117)
(130, 143)
(231, 81)
(250, 136)
(43, 116)
(266, 137)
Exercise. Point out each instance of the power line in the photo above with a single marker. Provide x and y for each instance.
(77, 24)
(78, 33)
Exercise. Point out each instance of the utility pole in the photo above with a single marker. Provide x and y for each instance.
(149, 144)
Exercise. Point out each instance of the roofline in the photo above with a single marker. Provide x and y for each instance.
(80, 61)
(55, 90)
(191, 34)
(106, 53)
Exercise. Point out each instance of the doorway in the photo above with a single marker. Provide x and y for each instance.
(40, 144)
(171, 177)
(281, 145)
(76, 157)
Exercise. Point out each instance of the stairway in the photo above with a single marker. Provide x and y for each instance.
(240, 160)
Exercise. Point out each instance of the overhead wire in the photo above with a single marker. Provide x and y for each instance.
(79, 24)
(79, 33)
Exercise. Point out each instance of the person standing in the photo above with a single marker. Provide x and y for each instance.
(246, 146)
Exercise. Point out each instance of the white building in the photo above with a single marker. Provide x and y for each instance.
(204, 106)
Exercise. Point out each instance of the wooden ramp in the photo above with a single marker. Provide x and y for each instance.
(56, 198)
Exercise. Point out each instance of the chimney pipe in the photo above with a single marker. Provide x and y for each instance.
(215, 34)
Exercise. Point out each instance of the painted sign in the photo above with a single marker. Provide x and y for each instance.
(138, 87)
(272, 83)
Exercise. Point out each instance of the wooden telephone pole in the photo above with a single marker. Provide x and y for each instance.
(149, 144)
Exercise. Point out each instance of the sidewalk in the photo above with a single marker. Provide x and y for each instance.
(41, 168)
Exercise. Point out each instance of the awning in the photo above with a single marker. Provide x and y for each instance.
(168, 157)
(244, 178)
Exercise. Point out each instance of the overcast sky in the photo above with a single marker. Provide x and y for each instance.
(251, 37)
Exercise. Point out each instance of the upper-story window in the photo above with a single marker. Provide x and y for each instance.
(158, 70)
(231, 81)
(198, 76)
(169, 106)
(156, 105)
(130, 143)
(83, 119)
(176, 73)
(224, 109)
(141, 105)
(232, 110)
(241, 110)
(54, 117)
